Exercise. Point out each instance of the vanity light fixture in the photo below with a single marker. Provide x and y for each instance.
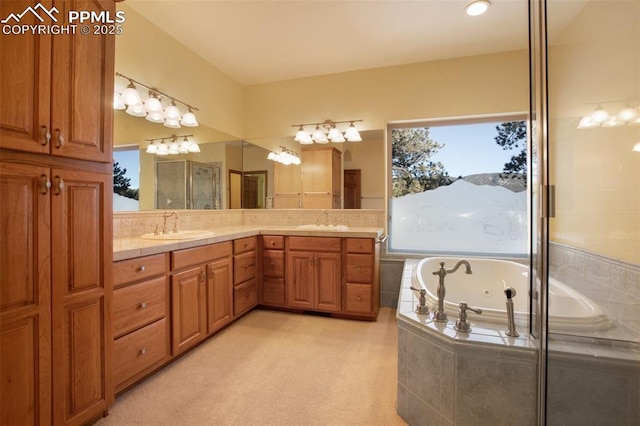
(477, 8)
(629, 115)
(152, 108)
(636, 147)
(326, 132)
(171, 146)
(285, 156)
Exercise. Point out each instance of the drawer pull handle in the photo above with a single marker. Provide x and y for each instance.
(143, 268)
(46, 136)
(358, 298)
(143, 351)
(273, 243)
(143, 305)
(60, 139)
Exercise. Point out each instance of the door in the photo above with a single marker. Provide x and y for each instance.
(25, 66)
(25, 298)
(219, 294)
(81, 295)
(328, 281)
(188, 309)
(235, 189)
(82, 88)
(352, 189)
(300, 280)
(250, 192)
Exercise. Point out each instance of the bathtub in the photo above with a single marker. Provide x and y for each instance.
(484, 289)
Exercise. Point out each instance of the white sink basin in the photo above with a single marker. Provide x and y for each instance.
(324, 227)
(180, 235)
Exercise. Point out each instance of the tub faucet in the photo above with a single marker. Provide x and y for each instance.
(512, 332)
(440, 315)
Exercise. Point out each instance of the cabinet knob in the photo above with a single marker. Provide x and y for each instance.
(273, 243)
(358, 298)
(60, 138)
(143, 305)
(46, 136)
(143, 351)
(46, 184)
(142, 268)
(59, 185)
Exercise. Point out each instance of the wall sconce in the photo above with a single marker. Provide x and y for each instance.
(172, 145)
(152, 108)
(629, 115)
(285, 156)
(326, 132)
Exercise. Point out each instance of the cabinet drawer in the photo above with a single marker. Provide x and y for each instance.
(139, 350)
(358, 299)
(273, 263)
(245, 297)
(137, 305)
(273, 242)
(315, 243)
(359, 268)
(273, 291)
(198, 255)
(244, 267)
(360, 245)
(140, 268)
(242, 245)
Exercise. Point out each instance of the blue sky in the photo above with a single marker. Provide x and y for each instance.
(129, 159)
(470, 149)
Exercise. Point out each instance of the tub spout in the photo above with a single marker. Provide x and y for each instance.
(440, 315)
(512, 332)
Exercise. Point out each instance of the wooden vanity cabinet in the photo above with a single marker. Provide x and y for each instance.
(362, 277)
(321, 178)
(314, 273)
(140, 317)
(196, 273)
(272, 293)
(245, 282)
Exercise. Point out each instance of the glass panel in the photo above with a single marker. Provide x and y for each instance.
(171, 185)
(593, 67)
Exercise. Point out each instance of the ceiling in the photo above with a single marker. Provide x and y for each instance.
(264, 41)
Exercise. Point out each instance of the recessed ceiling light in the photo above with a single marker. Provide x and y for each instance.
(477, 7)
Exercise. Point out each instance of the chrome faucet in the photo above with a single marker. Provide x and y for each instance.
(440, 315)
(165, 216)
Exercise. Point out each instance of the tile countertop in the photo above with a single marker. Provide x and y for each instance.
(128, 248)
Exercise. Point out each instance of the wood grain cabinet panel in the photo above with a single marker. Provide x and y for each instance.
(245, 297)
(188, 309)
(219, 294)
(139, 351)
(140, 304)
(244, 267)
(139, 268)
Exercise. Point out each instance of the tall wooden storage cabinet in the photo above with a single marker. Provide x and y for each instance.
(55, 221)
(321, 178)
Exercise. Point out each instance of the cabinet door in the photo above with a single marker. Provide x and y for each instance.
(219, 294)
(287, 186)
(328, 282)
(299, 280)
(25, 299)
(81, 217)
(188, 309)
(25, 86)
(82, 87)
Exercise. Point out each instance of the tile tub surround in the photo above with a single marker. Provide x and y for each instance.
(446, 377)
(590, 381)
(613, 285)
(134, 224)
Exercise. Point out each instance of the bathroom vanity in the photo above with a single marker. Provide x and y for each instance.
(171, 295)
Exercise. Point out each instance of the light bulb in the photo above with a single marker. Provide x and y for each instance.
(136, 110)
(174, 124)
(152, 148)
(152, 104)
(172, 112)
(130, 95)
(163, 149)
(627, 114)
(155, 117)
(352, 134)
(117, 101)
(636, 147)
(194, 147)
(335, 135)
(600, 115)
(189, 119)
(477, 7)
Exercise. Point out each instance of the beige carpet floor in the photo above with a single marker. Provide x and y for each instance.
(275, 368)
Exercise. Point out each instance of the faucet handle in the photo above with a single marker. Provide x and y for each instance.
(422, 307)
(462, 324)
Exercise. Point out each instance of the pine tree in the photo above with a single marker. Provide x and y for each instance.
(513, 135)
(412, 170)
(121, 184)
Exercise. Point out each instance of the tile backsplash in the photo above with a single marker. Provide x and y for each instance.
(134, 224)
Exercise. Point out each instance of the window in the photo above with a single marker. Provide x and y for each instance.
(459, 186)
(126, 179)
